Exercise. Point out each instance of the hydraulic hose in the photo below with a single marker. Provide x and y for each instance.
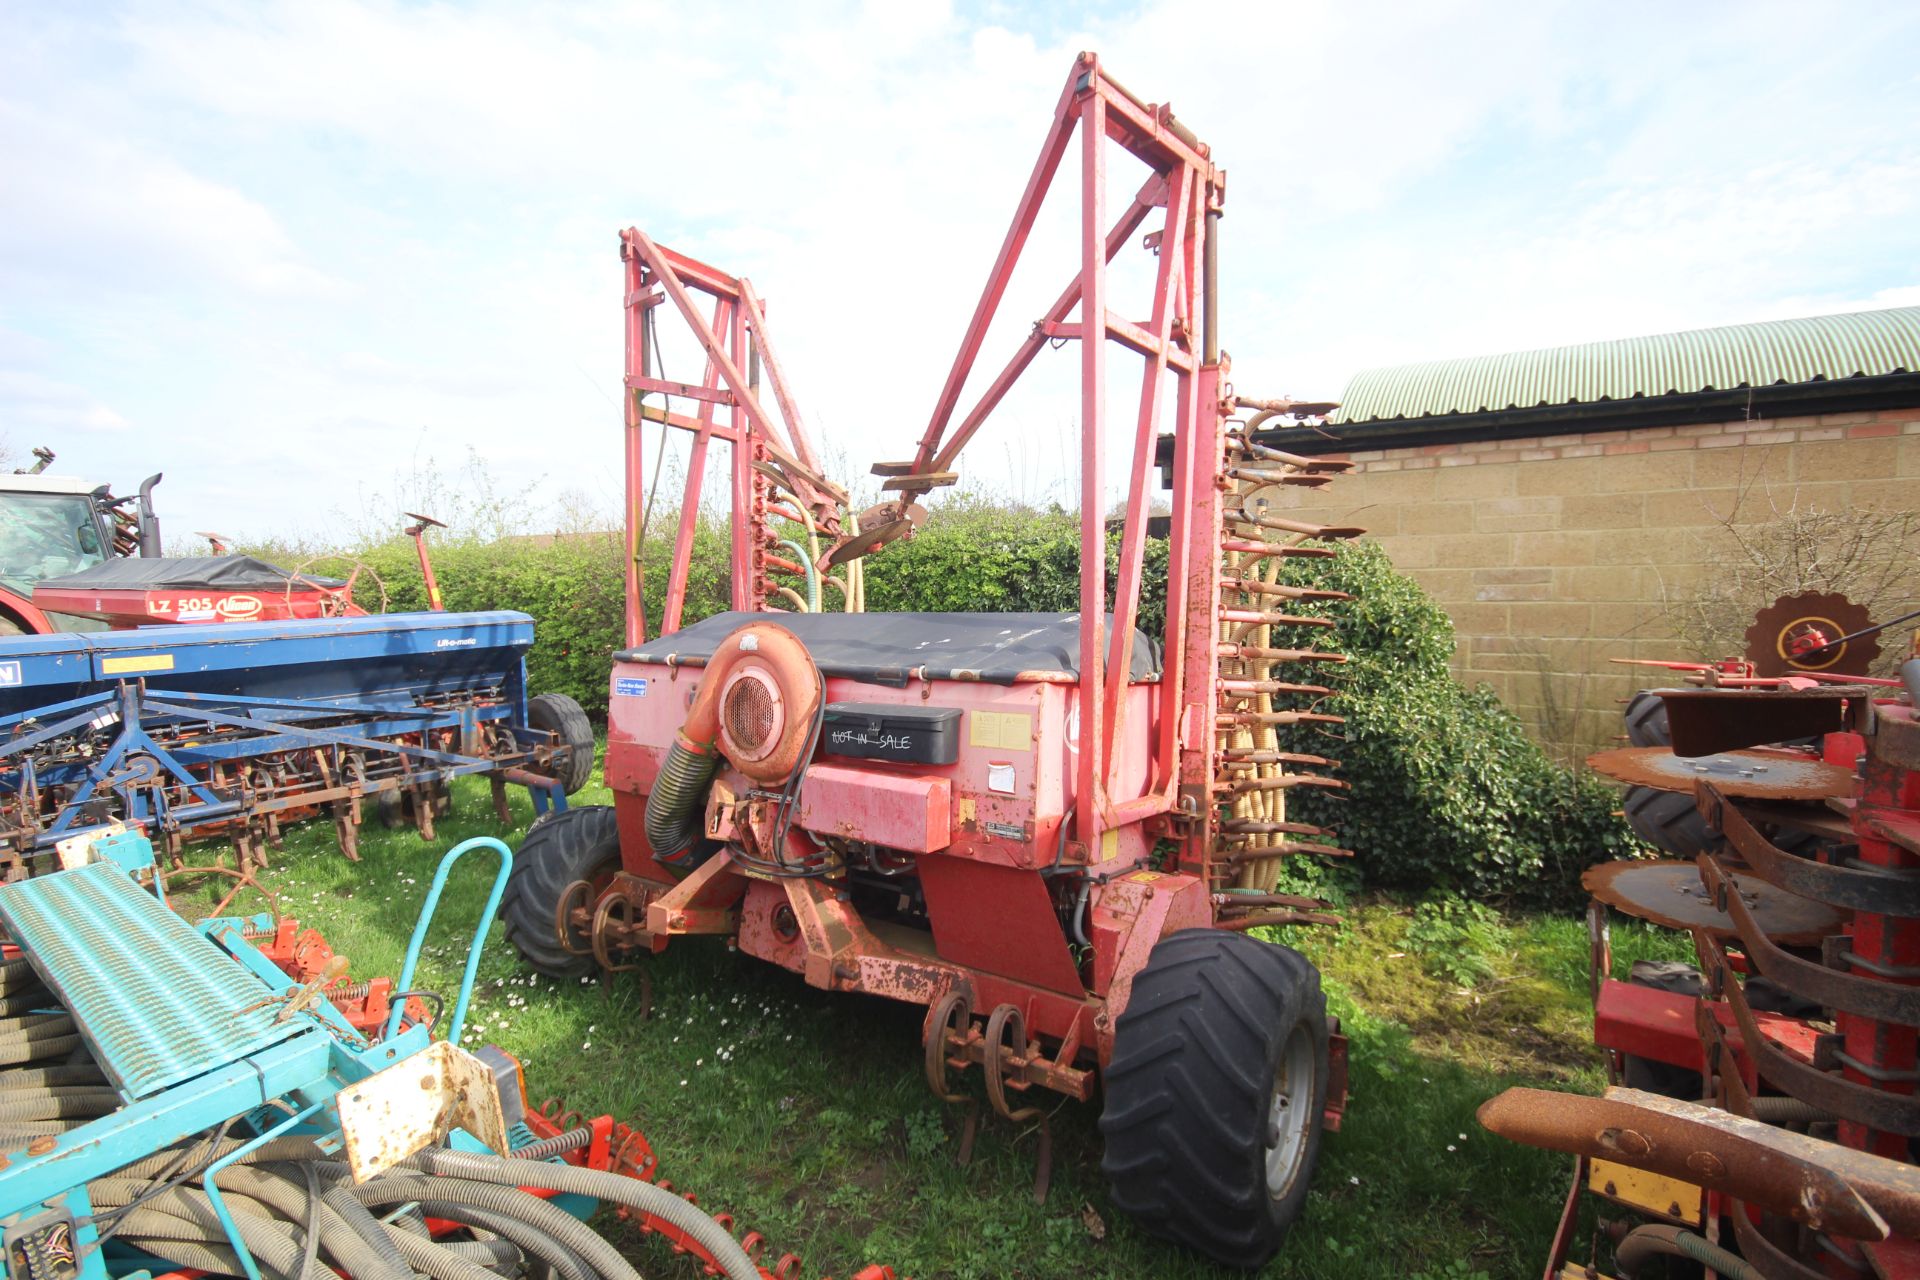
(522, 1236)
(75, 1074)
(504, 1198)
(492, 1254)
(675, 806)
(347, 1247)
(441, 1262)
(634, 1194)
(22, 1049)
(368, 1228)
(57, 1106)
(1644, 1244)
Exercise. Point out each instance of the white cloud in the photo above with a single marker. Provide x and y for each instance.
(35, 405)
(78, 202)
(364, 228)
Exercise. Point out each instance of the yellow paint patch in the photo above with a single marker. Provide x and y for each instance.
(1000, 730)
(139, 662)
(1654, 1193)
(1143, 877)
(964, 810)
(1109, 844)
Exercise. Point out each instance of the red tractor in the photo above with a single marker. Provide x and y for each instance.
(1052, 830)
(74, 558)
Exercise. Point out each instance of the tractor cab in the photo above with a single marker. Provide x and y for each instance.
(50, 526)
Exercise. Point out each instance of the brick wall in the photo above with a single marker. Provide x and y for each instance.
(1555, 554)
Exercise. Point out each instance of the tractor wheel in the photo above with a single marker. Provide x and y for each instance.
(1646, 717)
(560, 715)
(581, 843)
(1216, 1094)
(1668, 821)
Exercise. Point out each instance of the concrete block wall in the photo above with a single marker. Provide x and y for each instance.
(1555, 554)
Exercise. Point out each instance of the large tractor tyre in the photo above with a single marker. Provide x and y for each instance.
(1216, 1094)
(1646, 717)
(1668, 821)
(560, 715)
(582, 843)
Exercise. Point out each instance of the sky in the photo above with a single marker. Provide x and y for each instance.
(297, 254)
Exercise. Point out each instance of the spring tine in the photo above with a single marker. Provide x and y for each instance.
(1280, 589)
(1271, 454)
(1250, 688)
(1248, 651)
(1283, 783)
(1260, 618)
(1303, 479)
(1300, 527)
(1228, 719)
(1247, 757)
(1253, 853)
(1255, 827)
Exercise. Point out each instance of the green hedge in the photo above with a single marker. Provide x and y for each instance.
(1448, 790)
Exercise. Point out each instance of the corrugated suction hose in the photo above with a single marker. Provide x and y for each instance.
(785, 695)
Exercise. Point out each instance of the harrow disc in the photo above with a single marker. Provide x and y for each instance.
(1753, 775)
(1671, 894)
(1782, 634)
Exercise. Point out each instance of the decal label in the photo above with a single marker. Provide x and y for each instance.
(1000, 730)
(9, 675)
(1005, 830)
(142, 662)
(630, 686)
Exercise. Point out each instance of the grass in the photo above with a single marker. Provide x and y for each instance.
(807, 1116)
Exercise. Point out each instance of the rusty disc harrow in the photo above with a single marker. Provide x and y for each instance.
(1754, 775)
(1672, 894)
(1787, 636)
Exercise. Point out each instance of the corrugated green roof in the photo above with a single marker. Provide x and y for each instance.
(1856, 344)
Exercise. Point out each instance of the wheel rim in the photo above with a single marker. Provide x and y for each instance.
(1290, 1115)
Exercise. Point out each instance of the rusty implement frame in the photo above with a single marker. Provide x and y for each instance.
(1759, 775)
(1856, 1194)
(1672, 894)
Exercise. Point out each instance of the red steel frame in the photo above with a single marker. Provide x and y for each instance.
(1182, 375)
(737, 348)
(1185, 186)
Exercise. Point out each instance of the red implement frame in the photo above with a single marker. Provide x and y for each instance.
(1180, 369)
(734, 338)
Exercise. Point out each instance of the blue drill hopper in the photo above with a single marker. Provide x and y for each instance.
(233, 729)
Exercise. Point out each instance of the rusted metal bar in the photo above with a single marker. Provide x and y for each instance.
(1881, 892)
(1831, 988)
(1274, 918)
(1814, 1183)
(1875, 1108)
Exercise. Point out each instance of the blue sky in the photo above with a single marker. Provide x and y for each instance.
(287, 252)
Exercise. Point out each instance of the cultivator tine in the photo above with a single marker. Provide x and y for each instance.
(1253, 769)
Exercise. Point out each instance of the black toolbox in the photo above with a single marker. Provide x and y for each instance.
(887, 731)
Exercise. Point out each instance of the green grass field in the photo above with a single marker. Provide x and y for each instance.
(808, 1117)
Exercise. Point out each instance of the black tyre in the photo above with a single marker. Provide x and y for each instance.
(1216, 1094)
(560, 715)
(1668, 821)
(579, 844)
(1646, 717)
